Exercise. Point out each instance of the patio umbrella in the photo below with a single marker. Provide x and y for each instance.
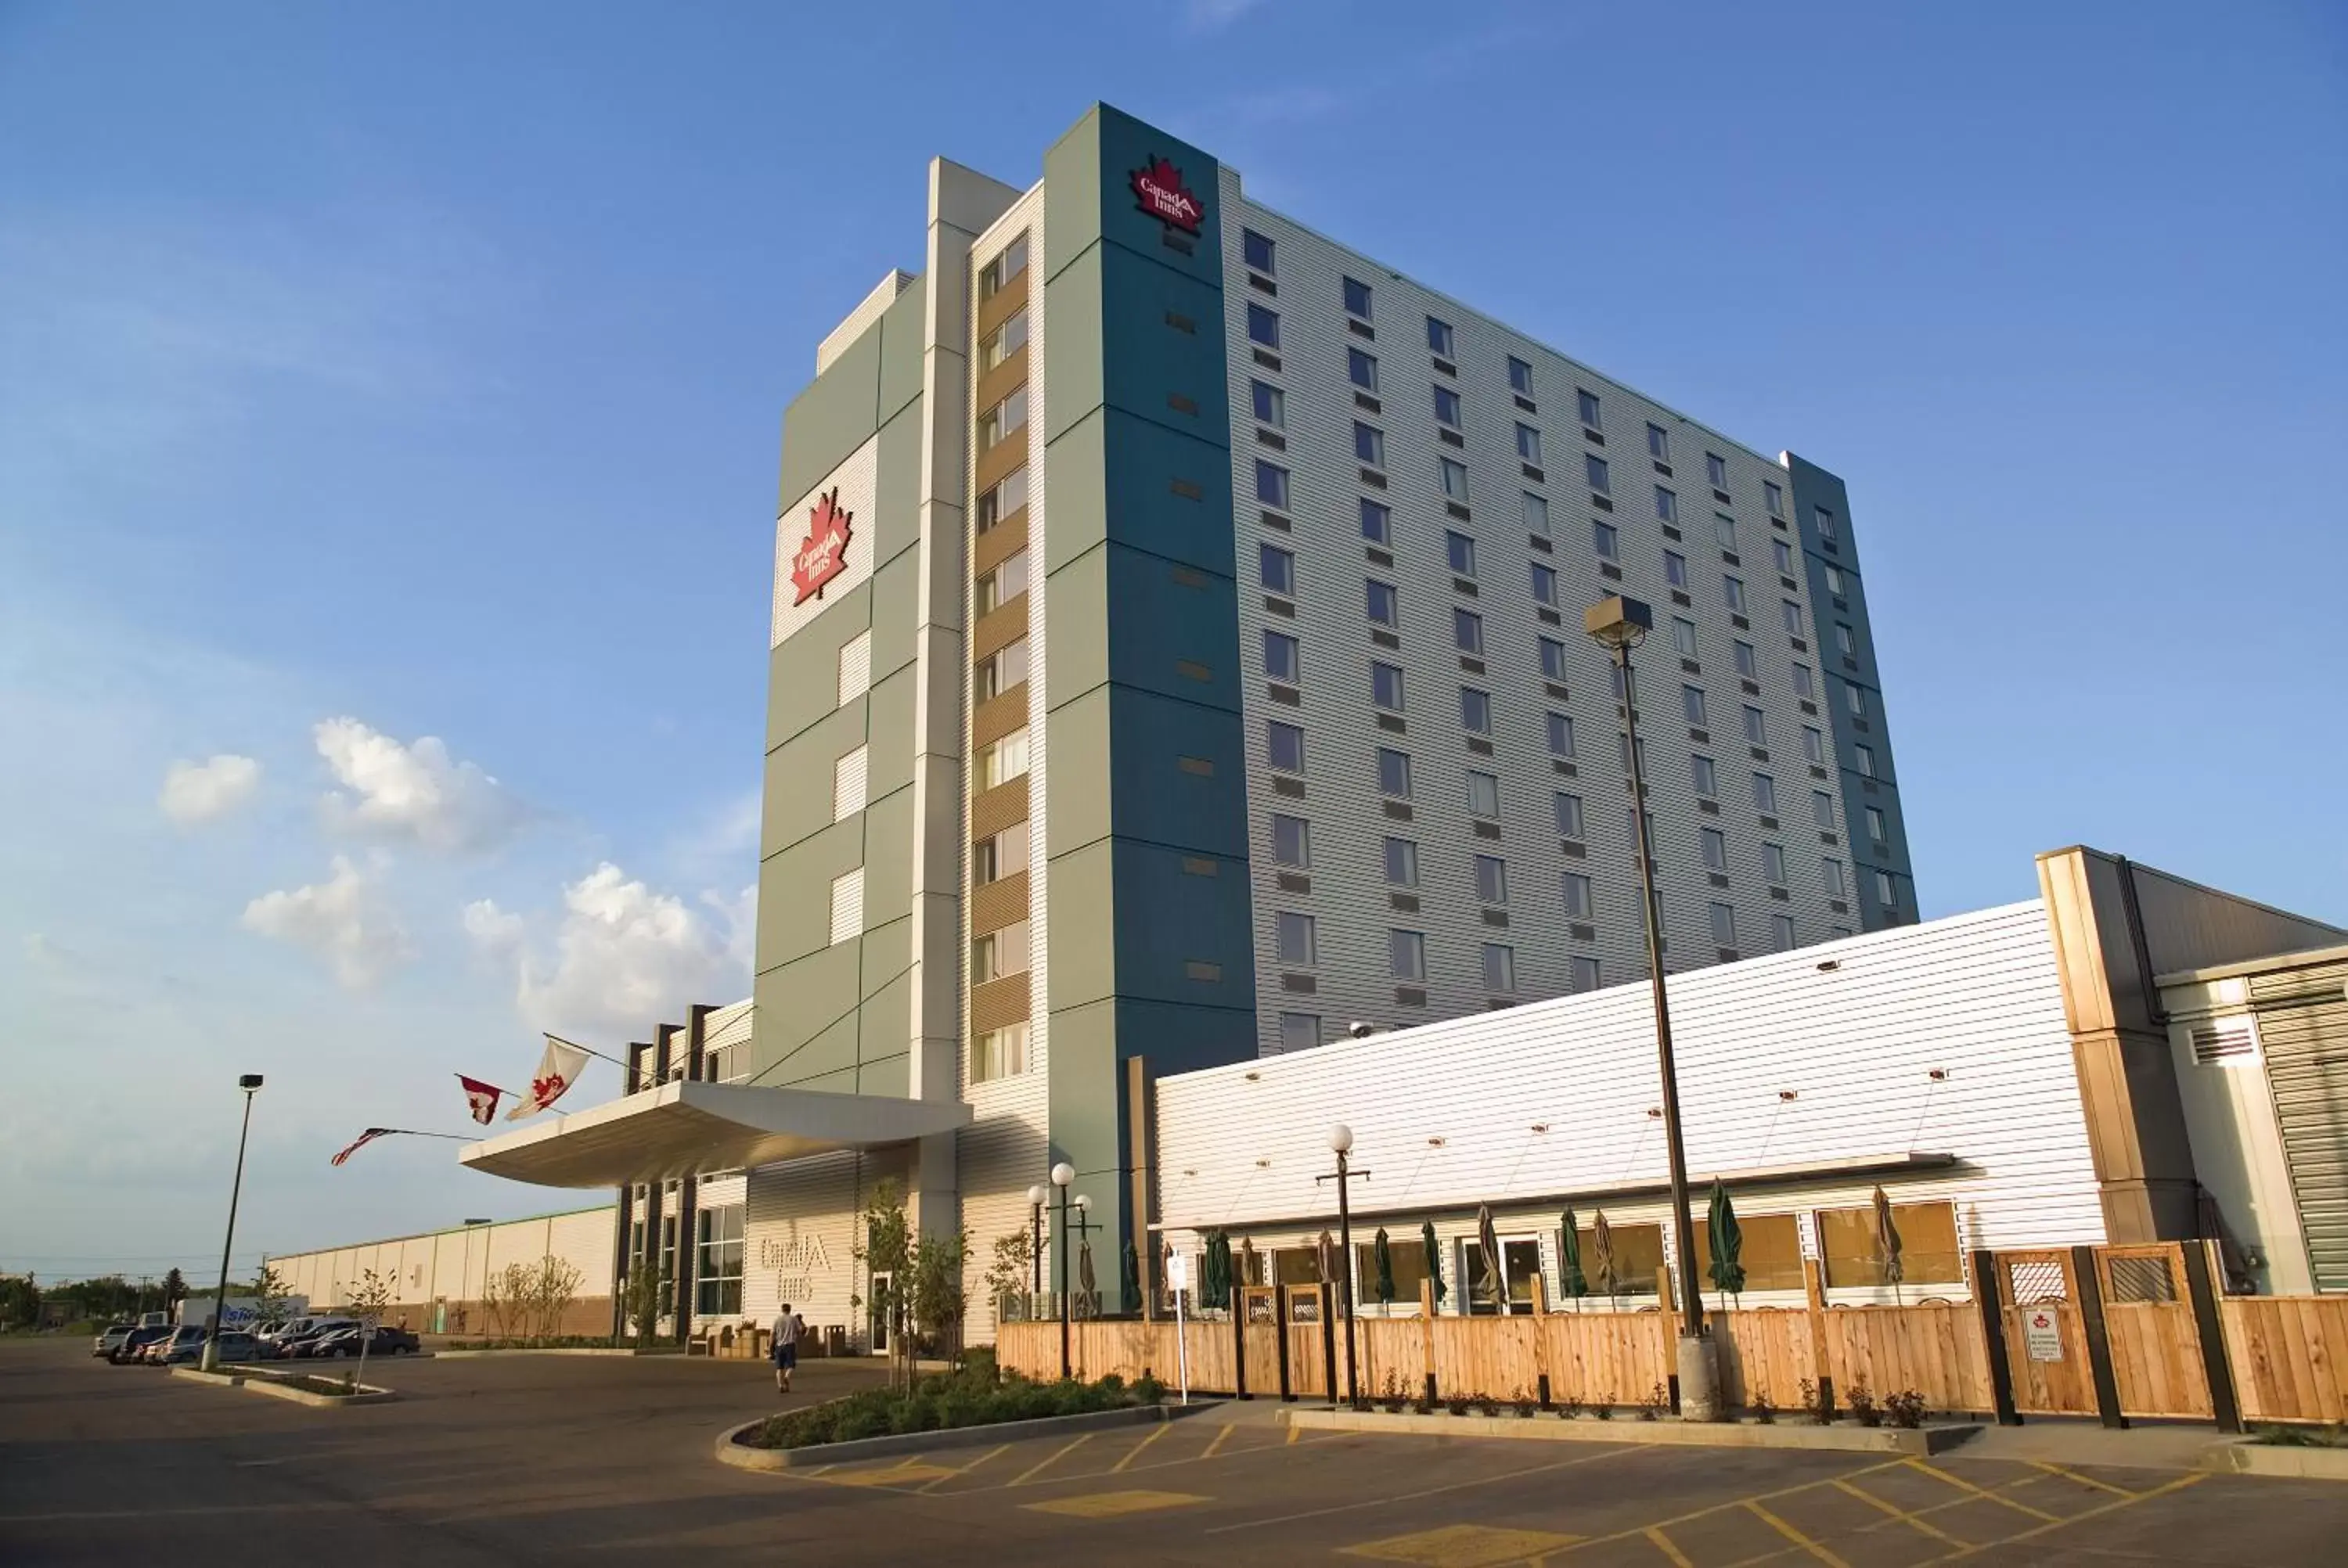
(1727, 1238)
(1087, 1288)
(1570, 1277)
(1434, 1260)
(1601, 1254)
(1248, 1273)
(1324, 1258)
(1382, 1262)
(1215, 1273)
(1129, 1276)
(1494, 1285)
(1887, 1242)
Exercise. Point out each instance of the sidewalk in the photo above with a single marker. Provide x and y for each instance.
(2048, 1440)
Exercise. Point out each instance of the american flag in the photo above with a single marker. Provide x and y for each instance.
(361, 1141)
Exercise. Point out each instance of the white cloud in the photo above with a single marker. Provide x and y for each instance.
(343, 919)
(623, 957)
(416, 792)
(199, 791)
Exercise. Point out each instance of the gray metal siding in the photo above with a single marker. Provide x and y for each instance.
(2304, 1029)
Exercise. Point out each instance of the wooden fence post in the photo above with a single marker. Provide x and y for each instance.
(1426, 1333)
(1239, 1345)
(2225, 1406)
(1814, 1282)
(1989, 1295)
(1280, 1340)
(1540, 1341)
(2090, 1287)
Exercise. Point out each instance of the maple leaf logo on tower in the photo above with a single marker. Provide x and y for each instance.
(1157, 187)
(823, 555)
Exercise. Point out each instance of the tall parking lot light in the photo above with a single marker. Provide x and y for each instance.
(249, 1084)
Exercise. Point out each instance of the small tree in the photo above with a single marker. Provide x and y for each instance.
(372, 1294)
(646, 1297)
(887, 1249)
(553, 1286)
(175, 1290)
(934, 1291)
(269, 1293)
(1012, 1271)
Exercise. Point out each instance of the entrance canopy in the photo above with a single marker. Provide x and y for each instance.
(687, 1127)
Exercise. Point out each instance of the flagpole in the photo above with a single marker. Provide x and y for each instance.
(590, 1050)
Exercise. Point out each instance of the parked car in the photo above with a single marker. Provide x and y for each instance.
(109, 1338)
(300, 1332)
(387, 1341)
(161, 1352)
(235, 1345)
(135, 1343)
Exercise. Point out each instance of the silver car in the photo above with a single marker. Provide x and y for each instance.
(111, 1338)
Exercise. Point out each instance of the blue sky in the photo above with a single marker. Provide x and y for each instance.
(372, 374)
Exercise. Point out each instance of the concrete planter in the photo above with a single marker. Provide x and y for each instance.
(571, 1350)
(262, 1383)
(732, 1449)
(2251, 1457)
(1670, 1432)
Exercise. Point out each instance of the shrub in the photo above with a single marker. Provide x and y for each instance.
(1863, 1407)
(1763, 1411)
(1456, 1403)
(1652, 1408)
(2335, 1436)
(1149, 1390)
(1487, 1406)
(1605, 1409)
(1905, 1408)
(1569, 1407)
(967, 1396)
(1524, 1404)
(1813, 1401)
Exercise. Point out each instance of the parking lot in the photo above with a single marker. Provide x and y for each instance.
(530, 1460)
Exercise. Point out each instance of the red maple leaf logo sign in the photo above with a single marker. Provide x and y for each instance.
(823, 555)
(1157, 187)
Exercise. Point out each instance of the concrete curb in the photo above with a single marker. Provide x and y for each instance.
(1920, 1440)
(567, 1350)
(369, 1394)
(2248, 1456)
(743, 1457)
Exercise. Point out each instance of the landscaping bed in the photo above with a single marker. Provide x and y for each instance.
(971, 1396)
(1894, 1425)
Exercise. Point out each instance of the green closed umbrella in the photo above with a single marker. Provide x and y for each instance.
(1727, 1238)
(1601, 1255)
(1382, 1263)
(1215, 1281)
(1887, 1242)
(1434, 1260)
(1570, 1277)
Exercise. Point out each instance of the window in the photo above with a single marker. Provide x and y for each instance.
(1369, 444)
(1000, 671)
(1805, 683)
(717, 1276)
(1764, 794)
(1732, 591)
(1749, 663)
(1007, 582)
(1008, 497)
(1593, 469)
(1708, 782)
(1782, 555)
(1271, 405)
(1000, 761)
(1837, 585)
(1377, 522)
(1724, 531)
(1560, 734)
(1297, 945)
(1545, 584)
(1582, 974)
(1887, 893)
(1454, 480)
(1406, 955)
(1286, 745)
(1272, 485)
(1483, 794)
(1684, 642)
(1781, 940)
(1846, 641)
(1773, 864)
(1385, 686)
(847, 905)
(1876, 826)
(1475, 710)
(1292, 842)
(1499, 969)
(1667, 505)
(1659, 443)
(1814, 743)
(1536, 512)
(1569, 815)
(1825, 522)
(1491, 879)
(1715, 849)
(1401, 863)
(1822, 807)
(1299, 1031)
(999, 1053)
(999, 855)
(1362, 369)
(1773, 495)
(1003, 419)
(1716, 468)
(1446, 407)
(1280, 656)
(848, 776)
(1927, 1246)
(1638, 1258)
(1382, 604)
(1460, 552)
(1008, 263)
(1792, 613)
(1438, 337)
(999, 953)
(1393, 773)
(1863, 759)
(1256, 251)
(1831, 872)
(1277, 567)
(1724, 924)
(1692, 705)
(1263, 326)
(1756, 731)
(1467, 630)
(1521, 377)
(1586, 403)
(1002, 343)
(1529, 446)
(1577, 894)
(855, 667)
(1357, 298)
(1606, 540)
(1855, 699)
(1553, 657)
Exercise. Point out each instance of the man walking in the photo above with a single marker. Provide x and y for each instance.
(787, 1329)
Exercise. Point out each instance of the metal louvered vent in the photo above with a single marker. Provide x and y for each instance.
(2222, 1042)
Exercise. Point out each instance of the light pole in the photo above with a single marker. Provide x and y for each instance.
(1620, 624)
(1062, 1174)
(1036, 1196)
(1341, 1143)
(250, 1082)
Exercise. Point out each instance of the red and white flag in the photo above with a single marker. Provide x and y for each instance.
(481, 1098)
(361, 1141)
(558, 1069)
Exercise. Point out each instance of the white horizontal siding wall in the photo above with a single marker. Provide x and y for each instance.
(800, 1236)
(1976, 997)
(452, 1264)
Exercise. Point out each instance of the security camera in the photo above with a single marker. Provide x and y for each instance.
(1361, 1031)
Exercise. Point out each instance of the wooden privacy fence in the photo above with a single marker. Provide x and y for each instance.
(2116, 1332)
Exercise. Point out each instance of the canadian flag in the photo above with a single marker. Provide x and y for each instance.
(481, 1098)
(558, 1069)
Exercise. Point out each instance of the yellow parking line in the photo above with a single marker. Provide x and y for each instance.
(1220, 1439)
(1065, 1449)
(1135, 1453)
(2082, 1480)
(1664, 1545)
(1797, 1538)
(963, 1469)
(1294, 1434)
(2131, 1500)
(1926, 1525)
(1963, 1485)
